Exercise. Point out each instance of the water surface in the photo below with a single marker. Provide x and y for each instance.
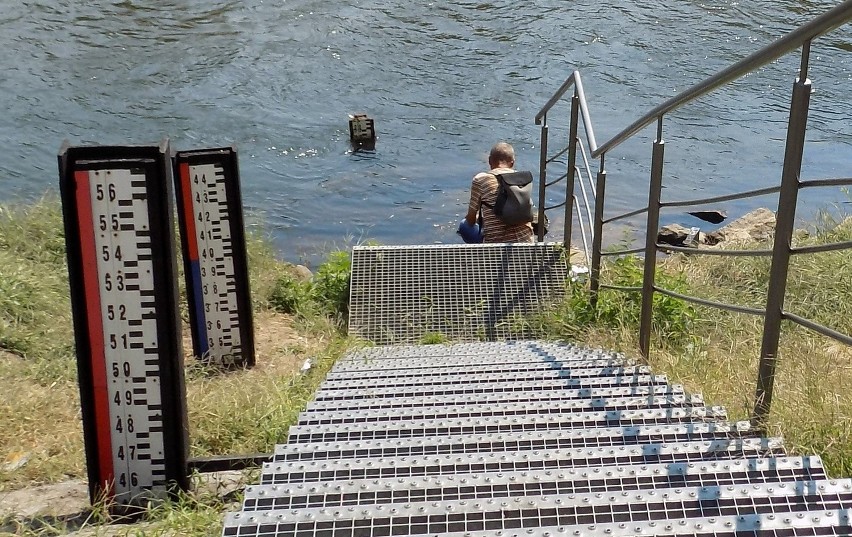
(444, 80)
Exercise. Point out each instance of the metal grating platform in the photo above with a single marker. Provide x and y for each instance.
(467, 292)
(527, 438)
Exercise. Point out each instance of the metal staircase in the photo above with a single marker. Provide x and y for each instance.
(527, 438)
(530, 438)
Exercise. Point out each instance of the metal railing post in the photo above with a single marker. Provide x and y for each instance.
(784, 222)
(597, 233)
(569, 178)
(654, 190)
(542, 181)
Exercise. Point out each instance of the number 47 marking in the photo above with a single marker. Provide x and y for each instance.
(130, 453)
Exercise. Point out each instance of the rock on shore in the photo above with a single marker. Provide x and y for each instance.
(755, 226)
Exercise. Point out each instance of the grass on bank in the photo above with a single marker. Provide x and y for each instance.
(716, 353)
(240, 412)
(710, 351)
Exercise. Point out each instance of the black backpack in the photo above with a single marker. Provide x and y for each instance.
(514, 198)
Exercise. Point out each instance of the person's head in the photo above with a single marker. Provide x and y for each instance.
(502, 156)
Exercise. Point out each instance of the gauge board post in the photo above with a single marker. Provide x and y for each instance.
(214, 255)
(117, 211)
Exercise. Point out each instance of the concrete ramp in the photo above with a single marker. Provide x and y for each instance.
(476, 292)
(527, 438)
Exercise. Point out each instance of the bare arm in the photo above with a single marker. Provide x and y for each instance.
(470, 218)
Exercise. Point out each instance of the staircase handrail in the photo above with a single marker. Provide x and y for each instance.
(793, 40)
(782, 248)
(575, 81)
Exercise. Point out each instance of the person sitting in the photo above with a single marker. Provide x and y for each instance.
(483, 191)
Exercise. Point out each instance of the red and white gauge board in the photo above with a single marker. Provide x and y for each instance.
(214, 255)
(121, 261)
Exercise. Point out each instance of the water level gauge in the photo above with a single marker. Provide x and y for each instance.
(119, 236)
(214, 255)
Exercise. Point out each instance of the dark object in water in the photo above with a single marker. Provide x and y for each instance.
(362, 131)
(714, 217)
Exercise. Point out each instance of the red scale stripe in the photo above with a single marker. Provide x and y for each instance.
(91, 286)
(188, 213)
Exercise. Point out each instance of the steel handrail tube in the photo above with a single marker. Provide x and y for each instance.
(623, 252)
(597, 236)
(816, 327)
(712, 303)
(819, 248)
(585, 194)
(721, 253)
(727, 197)
(626, 215)
(582, 234)
(572, 160)
(845, 181)
(557, 155)
(563, 89)
(576, 81)
(588, 168)
(793, 40)
(784, 223)
(584, 110)
(542, 179)
(561, 177)
(648, 275)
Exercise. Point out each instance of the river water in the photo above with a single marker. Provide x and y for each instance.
(443, 80)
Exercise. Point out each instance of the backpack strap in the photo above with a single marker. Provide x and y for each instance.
(483, 202)
(515, 178)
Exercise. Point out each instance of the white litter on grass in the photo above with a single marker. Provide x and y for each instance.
(578, 272)
(307, 365)
(15, 460)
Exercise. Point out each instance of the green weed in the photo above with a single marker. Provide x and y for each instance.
(331, 284)
(327, 293)
(575, 316)
(291, 295)
(433, 338)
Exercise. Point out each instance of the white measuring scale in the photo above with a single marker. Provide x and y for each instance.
(126, 325)
(210, 215)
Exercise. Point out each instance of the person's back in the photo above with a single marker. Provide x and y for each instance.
(483, 195)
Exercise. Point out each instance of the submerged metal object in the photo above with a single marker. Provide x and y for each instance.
(516, 457)
(464, 292)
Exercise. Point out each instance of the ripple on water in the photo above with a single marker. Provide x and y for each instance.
(443, 81)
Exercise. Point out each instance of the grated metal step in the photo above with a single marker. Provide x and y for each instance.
(589, 394)
(536, 482)
(496, 386)
(496, 425)
(527, 438)
(399, 294)
(502, 408)
(491, 443)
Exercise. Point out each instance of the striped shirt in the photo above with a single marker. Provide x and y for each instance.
(483, 193)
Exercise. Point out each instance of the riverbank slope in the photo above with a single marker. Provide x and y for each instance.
(298, 320)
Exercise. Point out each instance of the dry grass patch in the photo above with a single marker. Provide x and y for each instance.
(248, 411)
(716, 353)
(40, 429)
(230, 412)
